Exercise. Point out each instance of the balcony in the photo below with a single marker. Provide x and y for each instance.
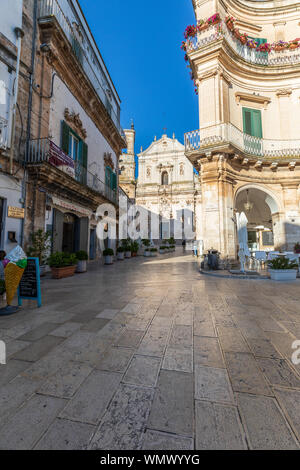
(49, 9)
(220, 33)
(227, 137)
(3, 133)
(45, 151)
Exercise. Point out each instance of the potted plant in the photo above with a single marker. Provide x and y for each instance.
(202, 25)
(282, 269)
(108, 256)
(162, 249)
(82, 258)
(120, 253)
(280, 46)
(146, 244)
(40, 248)
(294, 44)
(230, 22)
(153, 252)
(297, 248)
(62, 264)
(134, 248)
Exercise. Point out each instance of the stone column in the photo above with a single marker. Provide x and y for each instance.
(292, 214)
(218, 225)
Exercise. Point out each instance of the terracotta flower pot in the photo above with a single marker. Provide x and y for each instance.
(203, 27)
(66, 271)
(279, 48)
(293, 46)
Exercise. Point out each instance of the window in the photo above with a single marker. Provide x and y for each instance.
(164, 178)
(77, 149)
(110, 178)
(252, 122)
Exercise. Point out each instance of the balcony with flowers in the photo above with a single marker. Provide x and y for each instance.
(207, 32)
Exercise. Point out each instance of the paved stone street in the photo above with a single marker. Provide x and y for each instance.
(150, 354)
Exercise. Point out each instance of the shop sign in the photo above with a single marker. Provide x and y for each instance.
(16, 212)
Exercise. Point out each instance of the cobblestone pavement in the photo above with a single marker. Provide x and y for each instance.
(150, 354)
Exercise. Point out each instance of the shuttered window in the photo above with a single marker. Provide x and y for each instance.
(110, 178)
(252, 122)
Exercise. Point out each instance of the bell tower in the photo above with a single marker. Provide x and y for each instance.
(127, 164)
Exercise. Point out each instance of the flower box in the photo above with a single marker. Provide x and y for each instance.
(65, 271)
(283, 274)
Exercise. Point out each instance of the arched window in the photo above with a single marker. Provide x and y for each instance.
(164, 178)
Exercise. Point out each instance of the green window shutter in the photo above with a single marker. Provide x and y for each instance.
(65, 133)
(84, 154)
(252, 122)
(114, 181)
(107, 176)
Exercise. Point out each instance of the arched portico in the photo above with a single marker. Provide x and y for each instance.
(262, 210)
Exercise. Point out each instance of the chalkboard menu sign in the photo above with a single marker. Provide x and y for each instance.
(30, 286)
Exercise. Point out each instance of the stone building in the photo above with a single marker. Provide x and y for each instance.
(127, 177)
(247, 148)
(168, 188)
(72, 136)
(12, 72)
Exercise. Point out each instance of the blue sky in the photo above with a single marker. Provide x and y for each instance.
(140, 43)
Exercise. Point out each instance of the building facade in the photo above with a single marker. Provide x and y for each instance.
(127, 165)
(169, 189)
(72, 138)
(245, 60)
(11, 176)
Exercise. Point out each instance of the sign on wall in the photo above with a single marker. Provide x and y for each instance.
(16, 212)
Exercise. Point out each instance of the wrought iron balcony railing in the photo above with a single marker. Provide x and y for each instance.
(227, 134)
(220, 32)
(44, 150)
(51, 8)
(3, 133)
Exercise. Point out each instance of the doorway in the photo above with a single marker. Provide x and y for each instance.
(70, 233)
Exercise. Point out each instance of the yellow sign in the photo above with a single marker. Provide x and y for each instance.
(16, 212)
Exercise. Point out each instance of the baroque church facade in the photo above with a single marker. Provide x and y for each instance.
(167, 186)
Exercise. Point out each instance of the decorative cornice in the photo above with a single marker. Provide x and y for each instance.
(76, 123)
(263, 101)
(284, 92)
(108, 160)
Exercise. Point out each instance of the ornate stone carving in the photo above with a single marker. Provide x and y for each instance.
(76, 123)
(108, 160)
(284, 92)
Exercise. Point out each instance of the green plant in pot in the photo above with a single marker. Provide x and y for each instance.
(82, 258)
(120, 253)
(134, 248)
(283, 269)
(40, 248)
(146, 244)
(127, 247)
(108, 256)
(153, 252)
(62, 264)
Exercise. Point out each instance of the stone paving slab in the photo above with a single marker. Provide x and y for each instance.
(38, 349)
(218, 427)
(173, 407)
(23, 430)
(125, 421)
(115, 359)
(265, 424)
(207, 352)
(245, 374)
(212, 384)
(290, 403)
(279, 373)
(91, 400)
(66, 435)
(143, 370)
(178, 359)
